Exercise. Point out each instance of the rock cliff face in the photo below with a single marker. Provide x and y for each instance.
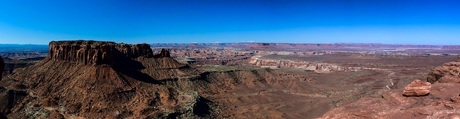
(447, 73)
(93, 52)
(417, 88)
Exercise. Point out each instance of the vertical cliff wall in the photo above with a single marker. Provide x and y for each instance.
(95, 52)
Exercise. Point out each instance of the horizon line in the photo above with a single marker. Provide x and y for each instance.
(249, 43)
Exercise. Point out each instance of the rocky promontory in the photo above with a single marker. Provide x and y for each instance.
(95, 52)
(447, 73)
(98, 79)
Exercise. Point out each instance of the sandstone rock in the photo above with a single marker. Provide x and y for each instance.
(55, 115)
(439, 105)
(95, 52)
(364, 108)
(447, 73)
(164, 53)
(455, 99)
(449, 79)
(443, 100)
(396, 97)
(95, 79)
(417, 88)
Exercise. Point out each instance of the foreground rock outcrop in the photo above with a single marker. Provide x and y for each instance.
(439, 100)
(417, 88)
(447, 73)
(92, 79)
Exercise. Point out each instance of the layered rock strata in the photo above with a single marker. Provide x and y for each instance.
(93, 79)
(447, 73)
(95, 52)
(417, 88)
(310, 66)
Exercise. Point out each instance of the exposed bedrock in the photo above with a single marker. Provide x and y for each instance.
(438, 98)
(447, 73)
(93, 79)
(417, 88)
(96, 52)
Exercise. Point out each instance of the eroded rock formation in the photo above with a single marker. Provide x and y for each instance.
(163, 53)
(92, 79)
(417, 88)
(447, 73)
(95, 52)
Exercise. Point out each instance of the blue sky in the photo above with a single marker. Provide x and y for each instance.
(434, 22)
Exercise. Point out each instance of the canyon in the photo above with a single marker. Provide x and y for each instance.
(103, 79)
(310, 66)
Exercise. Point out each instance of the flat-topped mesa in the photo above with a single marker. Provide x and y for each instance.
(95, 52)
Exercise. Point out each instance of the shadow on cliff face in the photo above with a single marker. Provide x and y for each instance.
(131, 68)
(8, 99)
(201, 107)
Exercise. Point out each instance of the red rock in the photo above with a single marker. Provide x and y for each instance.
(396, 97)
(447, 73)
(455, 99)
(449, 79)
(435, 106)
(417, 88)
(94, 79)
(95, 52)
(443, 100)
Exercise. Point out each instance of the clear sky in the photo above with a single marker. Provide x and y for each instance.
(186, 21)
